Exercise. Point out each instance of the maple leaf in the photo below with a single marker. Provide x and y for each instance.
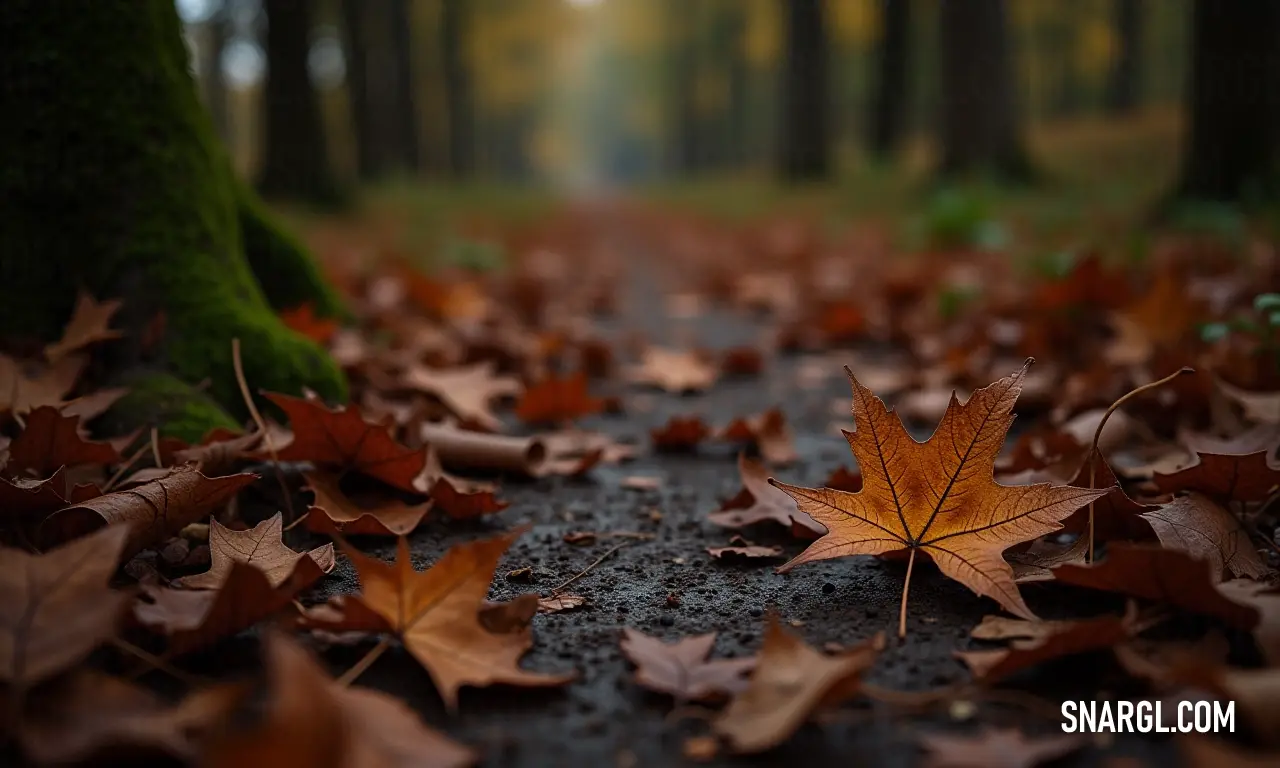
(1195, 524)
(938, 496)
(22, 389)
(467, 392)
(332, 509)
(29, 500)
(1116, 516)
(196, 618)
(1225, 477)
(217, 452)
(152, 511)
(262, 547)
(682, 669)
(58, 606)
(791, 680)
(1006, 748)
(312, 720)
(458, 498)
(767, 432)
(758, 501)
(677, 371)
(680, 434)
(343, 439)
(555, 400)
(435, 614)
(51, 440)
(89, 324)
(1165, 575)
(1049, 642)
(303, 319)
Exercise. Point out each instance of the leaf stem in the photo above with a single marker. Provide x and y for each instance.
(365, 662)
(1094, 451)
(906, 586)
(262, 425)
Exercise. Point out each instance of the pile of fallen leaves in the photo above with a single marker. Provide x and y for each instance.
(125, 554)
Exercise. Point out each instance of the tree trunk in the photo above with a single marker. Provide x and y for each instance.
(405, 105)
(215, 81)
(685, 151)
(889, 108)
(1233, 102)
(115, 183)
(1126, 71)
(457, 85)
(356, 31)
(295, 163)
(979, 121)
(804, 150)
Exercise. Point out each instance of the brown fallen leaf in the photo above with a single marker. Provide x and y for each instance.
(1265, 599)
(1256, 691)
(681, 434)
(434, 612)
(937, 496)
(467, 392)
(342, 439)
(1048, 643)
(767, 432)
(461, 505)
(262, 547)
(332, 510)
(1036, 562)
(197, 618)
(1224, 477)
(219, 451)
(312, 720)
(557, 603)
(1005, 628)
(741, 361)
(303, 319)
(1204, 752)
(791, 681)
(51, 440)
(682, 669)
(152, 511)
(759, 501)
(745, 553)
(91, 406)
(92, 718)
(641, 482)
(58, 605)
(555, 400)
(1164, 575)
(28, 501)
(996, 748)
(1197, 525)
(90, 323)
(676, 371)
(1262, 407)
(1116, 516)
(24, 385)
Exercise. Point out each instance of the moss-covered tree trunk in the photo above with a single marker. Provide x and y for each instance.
(113, 181)
(457, 86)
(1125, 76)
(891, 95)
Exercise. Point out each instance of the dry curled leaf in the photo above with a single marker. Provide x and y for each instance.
(791, 682)
(435, 614)
(58, 606)
(1197, 525)
(938, 496)
(750, 552)
(1047, 643)
(152, 511)
(1224, 477)
(682, 669)
(262, 547)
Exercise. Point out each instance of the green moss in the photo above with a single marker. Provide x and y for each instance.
(175, 407)
(114, 182)
(280, 263)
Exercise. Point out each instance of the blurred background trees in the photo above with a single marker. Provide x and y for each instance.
(316, 95)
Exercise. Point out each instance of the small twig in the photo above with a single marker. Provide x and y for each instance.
(1094, 451)
(124, 468)
(156, 662)
(587, 570)
(155, 448)
(365, 662)
(262, 425)
(906, 586)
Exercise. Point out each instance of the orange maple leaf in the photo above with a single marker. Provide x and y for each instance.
(939, 496)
